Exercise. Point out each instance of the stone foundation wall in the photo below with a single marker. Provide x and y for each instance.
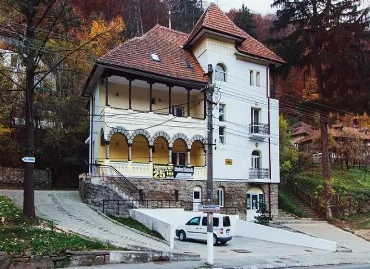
(153, 189)
(274, 197)
(13, 178)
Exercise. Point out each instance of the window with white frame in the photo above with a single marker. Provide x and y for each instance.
(221, 112)
(178, 111)
(221, 134)
(221, 196)
(220, 74)
(258, 79)
(251, 77)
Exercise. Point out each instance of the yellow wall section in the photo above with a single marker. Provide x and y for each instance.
(140, 150)
(118, 148)
(197, 154)
(161, 151)
(101, 152)
(118, 95)
(179, 146)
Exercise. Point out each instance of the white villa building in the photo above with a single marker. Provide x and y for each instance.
(148, 120)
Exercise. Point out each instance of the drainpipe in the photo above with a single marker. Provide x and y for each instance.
(91, 132)
(269, 133)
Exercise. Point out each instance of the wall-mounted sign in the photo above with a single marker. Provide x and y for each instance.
(209, 208)
(165, 171)
(229, 161)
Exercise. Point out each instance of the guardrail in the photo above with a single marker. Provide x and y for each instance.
(258, 129)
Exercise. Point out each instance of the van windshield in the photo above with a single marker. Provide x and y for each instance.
(226, 221)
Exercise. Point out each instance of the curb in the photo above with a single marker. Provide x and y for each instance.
(295, 265)
(129, 228)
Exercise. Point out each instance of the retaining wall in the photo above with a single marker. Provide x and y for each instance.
(13, 178)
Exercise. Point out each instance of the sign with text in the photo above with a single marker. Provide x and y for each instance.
(29, 159)
(165, 171)
(229, 161)
(209, 208)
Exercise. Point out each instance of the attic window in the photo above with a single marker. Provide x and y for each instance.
(155, 57)
(188, 64)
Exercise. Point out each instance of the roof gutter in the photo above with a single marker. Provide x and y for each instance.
(266, 60)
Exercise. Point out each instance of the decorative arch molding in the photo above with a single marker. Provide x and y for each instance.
(198, 138)
(184, 138)
(143, 133)
(120, 130)
(165, 136)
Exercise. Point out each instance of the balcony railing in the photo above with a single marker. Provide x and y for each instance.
(259, 173)
(258, 130)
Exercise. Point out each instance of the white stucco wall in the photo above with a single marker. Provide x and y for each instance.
(239, 97)
(253, 230)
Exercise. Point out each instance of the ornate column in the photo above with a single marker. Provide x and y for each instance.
(129, 152)
(150, 153)
(130, 94)
(169, 155)
(188, 162)
(107, 150)
(169, 100)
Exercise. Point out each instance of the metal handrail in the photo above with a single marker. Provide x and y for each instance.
(149, 204)
(127, 185)
(259, 128)
(259, 173)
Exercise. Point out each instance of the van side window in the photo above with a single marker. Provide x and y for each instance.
(194, 221)
(204, 221)
(226, 221)
(215, 222)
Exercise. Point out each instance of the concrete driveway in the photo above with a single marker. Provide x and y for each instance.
(233, 250)
(327, 231)
(67, 211)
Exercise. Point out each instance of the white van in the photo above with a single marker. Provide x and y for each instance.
(196, 229)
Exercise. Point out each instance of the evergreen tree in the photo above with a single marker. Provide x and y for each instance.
(263, 216)
(244, 19)
(327, 36)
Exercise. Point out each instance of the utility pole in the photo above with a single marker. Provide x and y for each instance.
(210, 164)
(28, 184)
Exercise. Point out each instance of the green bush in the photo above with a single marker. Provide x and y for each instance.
(289, 206)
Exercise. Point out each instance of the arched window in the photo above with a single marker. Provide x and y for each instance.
(256, 159)
(220, 73)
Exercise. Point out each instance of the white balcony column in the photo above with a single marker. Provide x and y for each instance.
(107, 150)
(169, 155)
(129, 152)
(150, 153)
(189, 161)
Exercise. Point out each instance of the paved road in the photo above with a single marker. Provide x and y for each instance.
(67, 210)
(363, 266)
(329, 232)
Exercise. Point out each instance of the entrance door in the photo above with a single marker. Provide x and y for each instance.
(197, 198)
(254, 198)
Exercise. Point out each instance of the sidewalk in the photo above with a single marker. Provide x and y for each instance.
(67, 211)
(329, 232)
(262, 262)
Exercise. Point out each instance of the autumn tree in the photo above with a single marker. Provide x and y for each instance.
(327, 36)
(47, 46)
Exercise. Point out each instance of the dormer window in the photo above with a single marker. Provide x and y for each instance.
(220, 73)
(155, 57)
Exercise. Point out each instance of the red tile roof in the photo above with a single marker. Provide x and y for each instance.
(347, 132)
(301, 128)
(166, 43)
(215, 20)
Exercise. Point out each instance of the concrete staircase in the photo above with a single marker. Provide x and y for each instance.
(310, 213)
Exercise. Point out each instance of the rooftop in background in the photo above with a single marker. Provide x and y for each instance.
(338, 131)
(301, 128)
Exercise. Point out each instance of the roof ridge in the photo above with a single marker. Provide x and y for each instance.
(169, 29)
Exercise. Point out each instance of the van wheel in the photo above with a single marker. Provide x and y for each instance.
(182, 236)
(214, 240)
